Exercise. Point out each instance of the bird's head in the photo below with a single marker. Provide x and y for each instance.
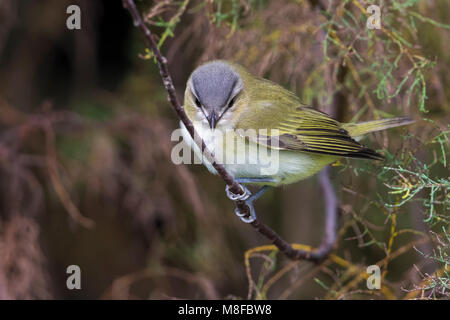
(213, 90)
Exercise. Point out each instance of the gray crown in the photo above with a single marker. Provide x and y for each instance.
(214, 84)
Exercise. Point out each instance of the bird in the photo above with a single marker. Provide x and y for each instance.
(263, 134)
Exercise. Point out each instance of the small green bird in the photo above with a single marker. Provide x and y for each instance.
(238, 115)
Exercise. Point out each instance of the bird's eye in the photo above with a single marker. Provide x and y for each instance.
(197, 103)
(230, 104)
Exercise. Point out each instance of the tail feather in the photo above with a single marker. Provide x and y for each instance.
(357, 130)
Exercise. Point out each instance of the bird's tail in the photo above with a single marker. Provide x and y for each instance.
(357, 130)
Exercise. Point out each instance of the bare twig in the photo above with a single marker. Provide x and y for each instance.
(56, 180)
(330, 198)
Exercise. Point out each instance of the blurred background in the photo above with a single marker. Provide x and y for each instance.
(85, 171)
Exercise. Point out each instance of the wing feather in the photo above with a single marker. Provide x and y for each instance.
(293, 126)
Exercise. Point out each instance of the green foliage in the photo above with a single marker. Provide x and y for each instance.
(408, 184)
(437, 285)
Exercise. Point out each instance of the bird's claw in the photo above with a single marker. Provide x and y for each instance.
(242, 197)
(243, 216)
(238, 197)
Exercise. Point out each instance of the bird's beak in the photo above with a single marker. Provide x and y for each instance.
(212, 119)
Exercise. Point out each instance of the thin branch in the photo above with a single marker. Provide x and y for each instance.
(329, 195)
(331, 210)
(170, 89)
(57, 181)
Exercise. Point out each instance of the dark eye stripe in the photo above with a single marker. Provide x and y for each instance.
(197, 102)
(230, 104)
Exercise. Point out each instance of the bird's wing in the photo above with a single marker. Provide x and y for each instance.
(282, 122)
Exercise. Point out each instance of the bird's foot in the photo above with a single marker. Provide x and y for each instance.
(244, 216)
(246, 197)
(238, 197)
(249, 202)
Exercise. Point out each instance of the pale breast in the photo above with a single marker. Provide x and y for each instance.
(244, 159)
